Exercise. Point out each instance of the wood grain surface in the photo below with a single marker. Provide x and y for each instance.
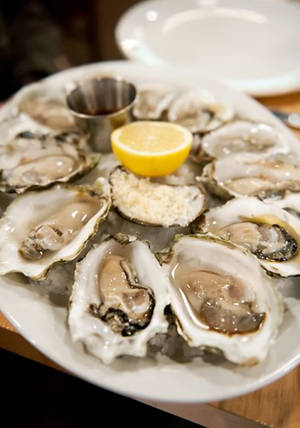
(277, 405)
(287, 103)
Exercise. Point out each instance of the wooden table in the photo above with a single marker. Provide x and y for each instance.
(276, 405)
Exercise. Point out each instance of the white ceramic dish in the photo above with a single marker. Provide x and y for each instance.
(253, 44)
(43, 322)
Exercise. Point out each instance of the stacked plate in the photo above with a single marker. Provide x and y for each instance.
(253, 45)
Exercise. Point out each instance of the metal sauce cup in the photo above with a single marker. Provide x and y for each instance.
(101, 105)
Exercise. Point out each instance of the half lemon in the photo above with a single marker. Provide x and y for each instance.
(151, 148)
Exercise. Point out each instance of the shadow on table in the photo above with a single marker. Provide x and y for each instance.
(33, 395)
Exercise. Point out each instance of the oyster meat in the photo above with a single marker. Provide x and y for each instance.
(269, 232)
(42, 228)
(118, 299)
(244, 137)
(241, 175)
(32, 161)
(199, 111)
(147, 202)
(229, 305)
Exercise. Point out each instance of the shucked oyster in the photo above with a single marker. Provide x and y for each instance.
(152, 101)
(47, 111)
(118, 299)
(241, 175)
(147, 202)
(41, 228)
(269, 232)
(243, 137)
(199, 111)
(222, 299)
(34, 160)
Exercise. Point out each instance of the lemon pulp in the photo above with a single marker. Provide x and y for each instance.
(151, 148)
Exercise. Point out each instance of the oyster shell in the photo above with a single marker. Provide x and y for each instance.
(241, 175)
(147, 202)
(199, 111)
(269, 232)
(230, 305)
(32, 161)
(118, 299)
(47, 111)
(39, 229)
(17, 124)
(152, 101)
(290, 202)
(243, 137)
(157, 237)
(186, 174)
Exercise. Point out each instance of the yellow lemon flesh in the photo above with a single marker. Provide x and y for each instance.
(150, 148)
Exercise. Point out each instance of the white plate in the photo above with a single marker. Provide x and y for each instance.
(44, 323)
(253, 44)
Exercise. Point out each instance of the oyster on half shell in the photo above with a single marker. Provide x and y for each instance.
(269, 232)
(259, 139)
(199, 111)
(152, 101)
(41, 228)
(47, 111)
(241, 175)
(118, 299)
(32, 161)
(151, 203)
(222, 298)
